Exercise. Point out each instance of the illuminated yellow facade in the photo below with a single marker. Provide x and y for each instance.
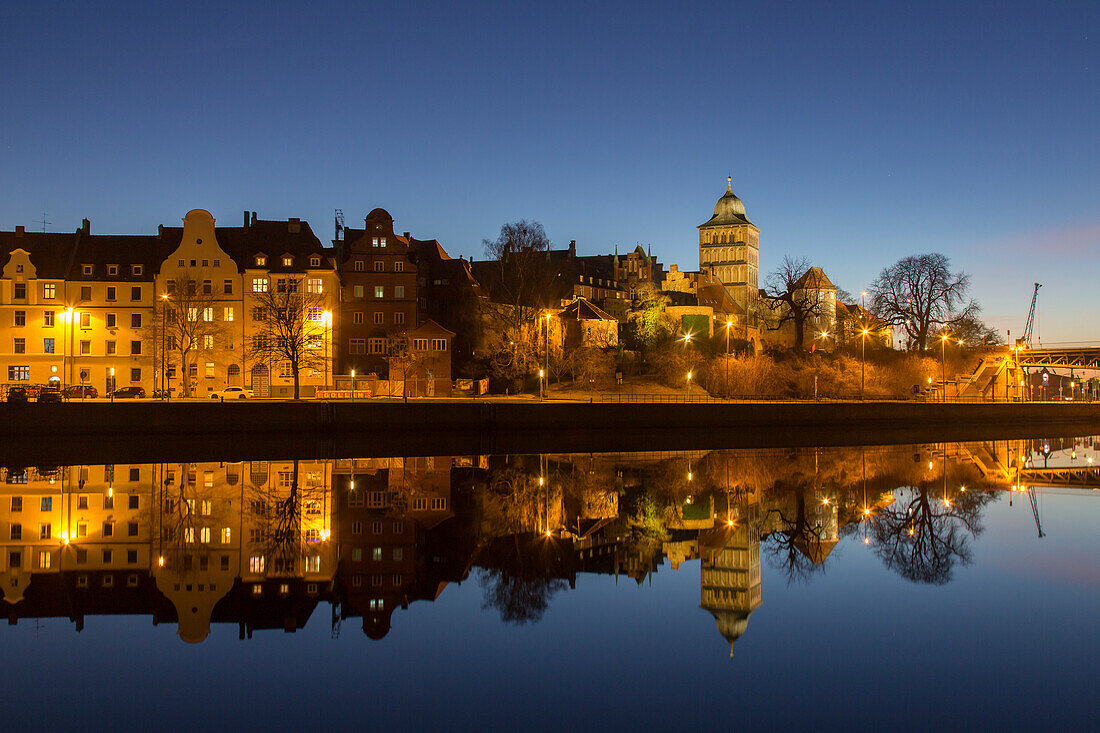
(729, 248)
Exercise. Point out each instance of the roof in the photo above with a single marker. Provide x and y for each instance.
(51, 253)
(582, 310)
(430, 328)
(273, 238)
(814, 279)
(728, 210)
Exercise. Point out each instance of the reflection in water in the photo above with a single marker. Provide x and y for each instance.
(261, 544)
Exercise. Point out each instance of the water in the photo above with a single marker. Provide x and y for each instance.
(898, 587)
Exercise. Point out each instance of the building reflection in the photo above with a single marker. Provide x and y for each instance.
(261, 544)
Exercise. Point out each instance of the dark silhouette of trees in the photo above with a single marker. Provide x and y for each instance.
(520, 283)
(519, 600)
(187, 319)
(922, 295)
(794, 302)
(922, 538)
(289, 328)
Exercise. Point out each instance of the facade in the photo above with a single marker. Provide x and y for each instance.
(729, 247)
(583, 324)
(378, 302)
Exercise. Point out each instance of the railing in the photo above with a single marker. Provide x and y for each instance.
(636, 397)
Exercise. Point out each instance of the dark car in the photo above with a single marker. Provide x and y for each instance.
(51, 395)
(128, 393)
(77, 391)
(17, 394)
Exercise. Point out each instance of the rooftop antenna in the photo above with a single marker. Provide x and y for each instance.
(43, 222)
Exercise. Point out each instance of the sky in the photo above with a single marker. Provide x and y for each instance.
(855, 133)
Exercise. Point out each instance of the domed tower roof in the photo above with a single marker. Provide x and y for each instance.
(729, 209)
(377, 214)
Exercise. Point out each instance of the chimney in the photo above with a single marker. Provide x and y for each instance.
(86, 226)
(572, 248)
(160, 231)
(253, 218)
(294, 225)
(246, 220)
(408, 235)
(19, 230)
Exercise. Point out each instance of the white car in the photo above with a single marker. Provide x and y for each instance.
(232, 393)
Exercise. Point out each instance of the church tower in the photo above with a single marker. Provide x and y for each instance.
(729, 248)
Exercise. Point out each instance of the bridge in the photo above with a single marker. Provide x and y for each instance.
(1001, 376)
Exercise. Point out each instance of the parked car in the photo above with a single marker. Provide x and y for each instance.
(17, 394)
(50, 394)
(232, 393)
(125, 393)
(32, 390)
(75, 392)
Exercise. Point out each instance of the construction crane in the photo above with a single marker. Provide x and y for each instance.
(1035, 512)
(1026, 339)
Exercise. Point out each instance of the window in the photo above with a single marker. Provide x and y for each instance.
(136, 270)
(358, 266)
(109, 348)
(131, 529)
(399, 291)
(439, 504)
(47, 346)
(21, 318)
(108, 502)
(374, 242)
(82, 502)
(207, 506)
(49, 291)
(20, 291)
(227, 314)
(47, 319)
(259, 284)
(208, 314)
(355, 346)
(313, 565)
(379, 317)
(135, 374)
(135, 293)
(17, 531)
(208, 342)
(44, 559)
(110, 292)
(192, 315)
(285, 371)
(135, 320)
(316, 314)
(376, 554)
(227, 535)
(439, 344)
(288, 261)
(85, 347)
(207, 287)
(261, 261)
(419, 504)
(135, 347)
(15, 559)
(86, 269)
(379, 266)
(259, 314)
(81, 529)
(398, 527)
(378, 346)
(256, 564)
(108, 529)
(379, 291)
(112, 270)
(85, 292)
(313, 535)
(399, 266)
(314, 261)
(204, 535)
(399, 317)
(356, 554)
(357, 528)
(17, 503)
(132, 502)
(227, 286)
(20, 346)
(420, 344)
(19, 373)
(224, 565)
(355, 498)
(358, 290)
(47, 504)
(110, 320)
(210, 368)
(107, 557)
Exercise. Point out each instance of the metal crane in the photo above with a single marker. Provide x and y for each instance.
(1026, 339)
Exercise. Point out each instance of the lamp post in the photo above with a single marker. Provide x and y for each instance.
(165, 385)
(541, 373)
(943, 367)
(689, 386)
(327, 318)
(112, 390)
(546, 353)
(353, 385)
(71, 314)
(728, 325)
(862, 362)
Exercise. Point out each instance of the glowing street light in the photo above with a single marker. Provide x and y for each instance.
(326, 318)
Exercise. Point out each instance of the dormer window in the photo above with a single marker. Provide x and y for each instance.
(314, 261)
(136, 270)
(288, 261)
(261, 261)
(112, 270)
(86, 269)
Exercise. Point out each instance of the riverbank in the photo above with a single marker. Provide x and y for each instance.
(102, 432)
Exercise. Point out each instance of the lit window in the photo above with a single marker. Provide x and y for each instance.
(45, 559)
(204, 535)
(376, 553)
(314, 285)
(316, 314)
(288, 261)
(420, 344)
(259, 284)
(439, 344)
(227, 535)
(313, 564)
(49, 291)
(208, 314)
(208, 342)
(379, 291)
(189, 535)
(228, 314)
(261, 261)
(256, 564)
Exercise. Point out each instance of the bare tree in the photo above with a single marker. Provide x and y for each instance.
(289, 327)
(406, 362)
(520, 285)
(794, 301)
(921, 294)
(185, 320)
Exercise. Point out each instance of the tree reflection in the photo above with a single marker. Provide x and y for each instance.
(922, 537)
(800, 536)
(519, 600)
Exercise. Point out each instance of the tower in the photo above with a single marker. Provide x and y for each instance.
(729, 247)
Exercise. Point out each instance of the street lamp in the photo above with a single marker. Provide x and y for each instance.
(546, 351)
(353, 385)
(689, 386)
(862, 362)
(72, 315)
(165, 385)
(728, 325)
(541, 374)
(943, 369)
(112, 390)
(326, 317)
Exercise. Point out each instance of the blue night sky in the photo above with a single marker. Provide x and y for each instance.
(856, 133)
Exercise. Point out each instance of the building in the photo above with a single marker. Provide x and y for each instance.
(583, 324)
(448, 294)
(729, 247)
(378, 303)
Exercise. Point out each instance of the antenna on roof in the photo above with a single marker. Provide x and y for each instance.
(43, 222)
(339, 224)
